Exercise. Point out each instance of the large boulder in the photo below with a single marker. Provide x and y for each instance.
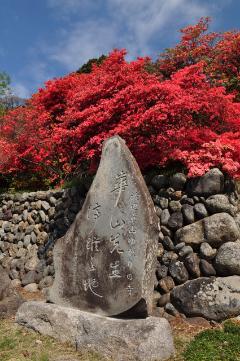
(124, 340)
(210, 183)
(10, 300)
(227, 261)
(212, 298)
(216, 230)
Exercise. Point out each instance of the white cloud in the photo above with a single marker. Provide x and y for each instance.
(85, 41)
(130, 24)
(21, 90)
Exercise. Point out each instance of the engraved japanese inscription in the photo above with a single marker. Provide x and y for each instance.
(106, 261)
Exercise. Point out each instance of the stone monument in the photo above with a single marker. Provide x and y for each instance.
(106, 261)
(105, 266)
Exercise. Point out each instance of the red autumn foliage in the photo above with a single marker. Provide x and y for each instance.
(220, 53)
(187, 117)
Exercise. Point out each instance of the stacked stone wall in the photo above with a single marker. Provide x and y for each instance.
(29, 224)
(198, 240)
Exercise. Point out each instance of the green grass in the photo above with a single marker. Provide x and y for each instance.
(215, 345)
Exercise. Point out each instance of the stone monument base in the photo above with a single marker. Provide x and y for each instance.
(121, 339)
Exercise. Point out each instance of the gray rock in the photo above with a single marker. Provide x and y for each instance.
(33, 237)
(168, 257)
(213, 298)
(187, 200)
(30, 277)
(171, 309)
(206, 251)
(53, 201)
(45, 206)
(161, 271)
(159, 181)
(166, 284)
(42, 216)
(185, 251)
(31, 287)
(177, 181)
(191, 262)
(179, 246)
(168, 243)
(175, 206)
(163, 300)
(122, 340)
(188, 213)
(200, 211)
(106, 262)
(163, 202)
(237, 220)
(220, 203)
(178, 272)
(45, 282)
(160, 251)
(155, 298)
(207, 268)
(216, 230)
(227, 261)
(191, 234)
(27, 240)
(10, 299)
(175, 221)
(32, 263)
(15, 283)
(220, 228)
(165, 215)
(160, 236)
(166, 231)
(211, 183)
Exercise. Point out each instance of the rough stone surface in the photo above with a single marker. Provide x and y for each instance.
(211, 183)
(185, 251)
(188, 213)
(216, 230)
(31, 287)
(178, 272)
(166, 284)
(177, 181)
(212, 298)
(200, 211)
(159, 181)
(165, 215)
(227, 261)
(191, 262)
(175, 221)
(207, 268)
(220, 203)
(10, 299)
(220, 228)
(191, 234)
(106, 262)
(124, 340)
(206, 251)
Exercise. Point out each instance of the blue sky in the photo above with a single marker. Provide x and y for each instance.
(42, 39)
